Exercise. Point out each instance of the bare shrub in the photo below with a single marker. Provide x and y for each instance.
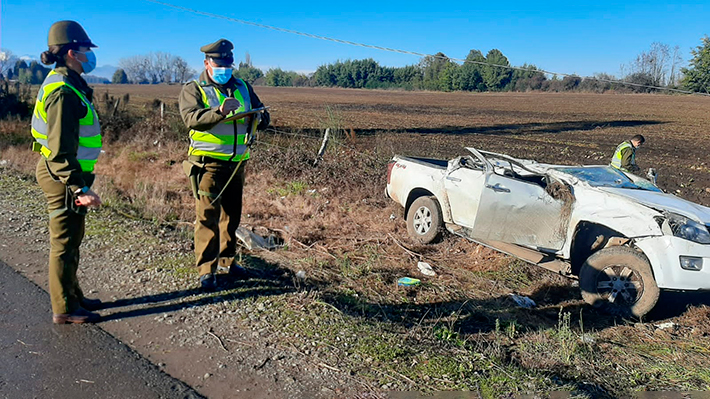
(146, 177)
(20, 158)
(15, 100)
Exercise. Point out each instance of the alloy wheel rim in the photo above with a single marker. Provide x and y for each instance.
(422, 220)
(620, 285)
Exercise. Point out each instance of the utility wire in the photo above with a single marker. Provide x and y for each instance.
(393, 50)
(302, 135)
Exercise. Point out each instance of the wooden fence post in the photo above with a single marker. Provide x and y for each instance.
(322, 147)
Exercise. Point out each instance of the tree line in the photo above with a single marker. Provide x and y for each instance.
(13, 68)
(660, 66)
(16, 69)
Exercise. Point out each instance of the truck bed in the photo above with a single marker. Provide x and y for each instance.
(437, 163)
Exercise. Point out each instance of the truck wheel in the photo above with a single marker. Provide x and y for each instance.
(619, 281)
(424, 221)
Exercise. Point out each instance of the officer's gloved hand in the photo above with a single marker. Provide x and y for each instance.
(264, 120)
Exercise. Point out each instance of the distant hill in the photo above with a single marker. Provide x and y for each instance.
(95, 79)
(105, 71)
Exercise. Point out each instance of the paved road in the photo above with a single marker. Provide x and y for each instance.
(41, 360)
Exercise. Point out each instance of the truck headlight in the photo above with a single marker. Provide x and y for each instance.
(688, 229)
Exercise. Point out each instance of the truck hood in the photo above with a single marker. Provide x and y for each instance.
(663, 201)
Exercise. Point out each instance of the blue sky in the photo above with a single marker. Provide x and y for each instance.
(581, 38)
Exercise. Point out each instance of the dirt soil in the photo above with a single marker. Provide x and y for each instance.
(561, 128)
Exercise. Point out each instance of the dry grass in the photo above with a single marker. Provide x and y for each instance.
(337, 228)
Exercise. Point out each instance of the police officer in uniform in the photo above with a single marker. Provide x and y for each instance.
(217, 155)
(66, 130)
(624, 157)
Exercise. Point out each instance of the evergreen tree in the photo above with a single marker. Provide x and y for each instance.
(278, 77)
(432, 67)
(247, 72)
(471, 76)
(697, 75)
(119, 77)
(496, 76)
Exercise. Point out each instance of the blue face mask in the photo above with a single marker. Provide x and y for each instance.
(90, 63)
(221, 75)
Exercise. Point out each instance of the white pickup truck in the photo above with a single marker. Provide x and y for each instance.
(618, 233)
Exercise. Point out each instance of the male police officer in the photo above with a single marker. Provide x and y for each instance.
(218, 153)
(625, 155)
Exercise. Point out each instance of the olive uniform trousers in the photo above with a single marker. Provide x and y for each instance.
(66, 230)
(216, 224)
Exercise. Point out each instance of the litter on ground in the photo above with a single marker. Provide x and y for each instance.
(523, 301)
(426, 269)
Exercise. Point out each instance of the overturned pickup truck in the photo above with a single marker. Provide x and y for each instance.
(618, 233)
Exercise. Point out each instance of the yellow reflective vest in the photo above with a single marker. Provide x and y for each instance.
(89, 128)
(226, 141)
(616, 159)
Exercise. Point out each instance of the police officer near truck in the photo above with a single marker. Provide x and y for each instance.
(624, 157)
(211, 107)
(67, 134)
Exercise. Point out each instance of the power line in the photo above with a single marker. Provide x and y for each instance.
(399, 51)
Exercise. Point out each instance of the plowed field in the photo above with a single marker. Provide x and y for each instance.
(566, 128)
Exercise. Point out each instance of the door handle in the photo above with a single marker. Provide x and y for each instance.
(456, 179)
(497, 188)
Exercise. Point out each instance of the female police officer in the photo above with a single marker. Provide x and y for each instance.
(67, 134)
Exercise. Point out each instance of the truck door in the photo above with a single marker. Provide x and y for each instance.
(521, 212)
(464, 184)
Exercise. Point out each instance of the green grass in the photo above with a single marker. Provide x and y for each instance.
(293, 188)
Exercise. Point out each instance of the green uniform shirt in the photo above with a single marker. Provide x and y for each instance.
(197, 117)
(64, 110)
(628, 161)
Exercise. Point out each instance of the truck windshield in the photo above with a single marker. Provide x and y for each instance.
(606, 176)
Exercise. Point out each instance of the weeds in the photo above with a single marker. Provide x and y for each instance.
(290, 188)
(334, 121)
(566, 339)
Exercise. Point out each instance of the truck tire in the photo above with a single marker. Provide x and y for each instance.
(619, 281)
(424, 220)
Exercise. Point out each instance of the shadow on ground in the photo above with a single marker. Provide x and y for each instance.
(270, 279)
(509, 128)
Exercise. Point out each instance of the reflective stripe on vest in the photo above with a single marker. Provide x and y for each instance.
(89, 129)
(616, 159)
(220, 141)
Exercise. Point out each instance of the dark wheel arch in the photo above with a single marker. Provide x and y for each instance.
(584, 242)
(413, 195)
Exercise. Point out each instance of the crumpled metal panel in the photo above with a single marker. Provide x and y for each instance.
(520, 212)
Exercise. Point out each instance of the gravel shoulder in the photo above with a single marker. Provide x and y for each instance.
(220, 343)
